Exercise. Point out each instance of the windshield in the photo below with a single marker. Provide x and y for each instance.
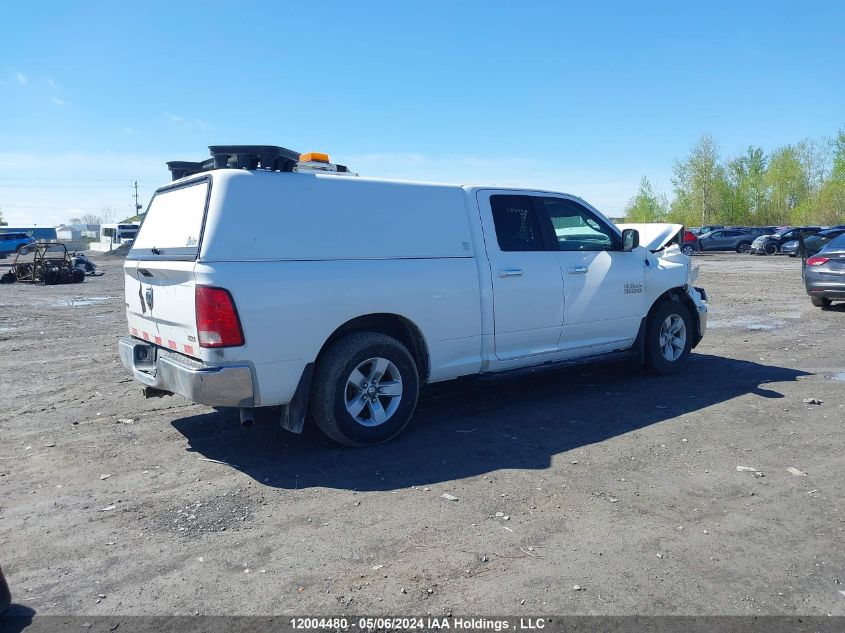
(173, 223)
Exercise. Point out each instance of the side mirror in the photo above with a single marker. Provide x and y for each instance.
(630, 240)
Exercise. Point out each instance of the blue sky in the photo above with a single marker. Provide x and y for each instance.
(583, 97)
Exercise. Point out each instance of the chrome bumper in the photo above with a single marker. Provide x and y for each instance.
(215, 386)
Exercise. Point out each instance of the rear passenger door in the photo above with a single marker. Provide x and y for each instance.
(526, 276)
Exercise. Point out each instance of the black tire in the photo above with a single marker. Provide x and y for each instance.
(331, 388)
(5, 594)
(743, 247)
(688, 250)
(77, 276)
(8, 278)
(655, 361)
(770, 249)
(820, 302)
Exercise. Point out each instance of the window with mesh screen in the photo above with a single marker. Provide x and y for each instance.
(516, 224)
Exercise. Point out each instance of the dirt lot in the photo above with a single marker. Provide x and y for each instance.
(620, 483)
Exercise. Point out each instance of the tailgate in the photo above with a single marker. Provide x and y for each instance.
(159, 270)
(160, 305)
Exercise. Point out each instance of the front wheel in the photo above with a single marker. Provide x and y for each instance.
(771, 249)
(743, 247)
(820, 302)
(668, 338)
(364, 390)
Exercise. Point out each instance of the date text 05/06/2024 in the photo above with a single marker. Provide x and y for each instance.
(411, 623)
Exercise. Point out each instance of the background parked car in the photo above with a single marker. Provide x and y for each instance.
(726, 240)
(770, 244)
(824, 273)
(690, 244)
(13, 242)
(756, 231)
(813, 243)
(707, 228)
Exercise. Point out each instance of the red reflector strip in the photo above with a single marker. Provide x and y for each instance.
(189, 349)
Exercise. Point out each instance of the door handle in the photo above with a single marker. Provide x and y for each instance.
(577, 270)
(510, 272)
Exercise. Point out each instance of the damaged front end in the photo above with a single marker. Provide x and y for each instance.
(667, 261)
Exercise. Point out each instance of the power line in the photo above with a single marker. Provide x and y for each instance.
(24, 179)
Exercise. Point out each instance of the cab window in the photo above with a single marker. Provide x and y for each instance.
(575, 227)
(516, 223)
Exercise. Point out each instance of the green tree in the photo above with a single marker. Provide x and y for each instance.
(2, 221)
(646, 205)
(829, 205)
(787, 186)
(698, 183)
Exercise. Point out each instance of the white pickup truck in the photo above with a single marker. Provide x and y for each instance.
(262, 277)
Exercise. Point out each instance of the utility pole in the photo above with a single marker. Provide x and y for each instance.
(137, 204)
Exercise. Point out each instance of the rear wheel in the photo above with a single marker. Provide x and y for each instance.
(820, 302)
(771, 249)
(364, 390)
(668, 338)
(77, 276)
(688, 250)
(743, 247)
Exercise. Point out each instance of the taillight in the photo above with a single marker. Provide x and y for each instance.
(218, 324)
(817, 261)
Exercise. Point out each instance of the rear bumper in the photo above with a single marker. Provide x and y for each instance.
(827, 291)
(215, 386)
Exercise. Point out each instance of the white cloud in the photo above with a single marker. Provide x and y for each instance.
(188, 123)
(173, 117)
(75, 183)
(128, 130)
(21, 78)
(58, 102)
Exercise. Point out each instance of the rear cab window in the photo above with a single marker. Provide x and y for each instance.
(172, 226)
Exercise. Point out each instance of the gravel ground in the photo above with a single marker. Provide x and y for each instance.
(619, 483)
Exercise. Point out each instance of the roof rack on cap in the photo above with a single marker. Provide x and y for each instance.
(267, 157)
(270, 157)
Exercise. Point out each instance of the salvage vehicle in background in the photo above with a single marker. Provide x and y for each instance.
(812, 243)
(770, 244)
(43, 262)
(726, 240)
(358, 291)
(824, 273)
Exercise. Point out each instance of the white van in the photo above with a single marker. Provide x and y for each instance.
(301, 284)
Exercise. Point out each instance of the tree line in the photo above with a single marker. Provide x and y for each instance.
(797, 184)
